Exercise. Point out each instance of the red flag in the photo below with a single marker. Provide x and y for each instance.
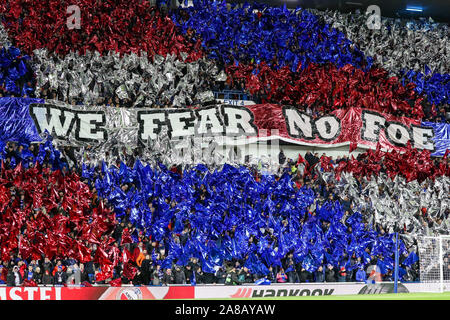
(29, 283)
(353, 146)
(446, 153)
(300, 159)
(101, 256)
(2, 169)
(18, 169)
(129, 271)
(116, 283)
(126, 237)
(84, 253)
(126, 255)
(106, 273)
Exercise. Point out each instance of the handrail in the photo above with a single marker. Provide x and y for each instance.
(218, 284)
(232, 95)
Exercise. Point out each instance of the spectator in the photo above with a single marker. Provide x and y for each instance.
(29, 273)
(47, 278)
(157, 276)
(168, 278)
(3, 274)
(360, 275)
(305, 276)
(330, 275)
(84, 277)
(319, 274)
(282, 276)
(292, 273)
(60, 276)
(232, 278)
(342, 275)
(188, 273)
(180, 277)
(271, 276)
(138, 279)
(221, 276)
(90, 270)
(14, 277)
(244, 276)
(37, 276)
(146, 269)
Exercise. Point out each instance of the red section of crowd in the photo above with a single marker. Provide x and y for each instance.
(53, 214)
(123, 26)
(325, 88)
(412, 164)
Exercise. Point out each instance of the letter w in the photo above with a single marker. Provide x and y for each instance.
(270, 309)
(55, 122)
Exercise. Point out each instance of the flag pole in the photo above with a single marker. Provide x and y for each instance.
(396, 264)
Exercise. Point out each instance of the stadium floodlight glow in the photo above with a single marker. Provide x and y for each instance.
(414, 8)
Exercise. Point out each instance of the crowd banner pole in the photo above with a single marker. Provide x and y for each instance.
(396, 264)
(441, 266)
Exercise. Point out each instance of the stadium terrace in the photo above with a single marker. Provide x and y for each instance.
(94, 194)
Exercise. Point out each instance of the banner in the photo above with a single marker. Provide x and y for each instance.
(441, 136)
(209, 291)
(97, 293)
(88, 125)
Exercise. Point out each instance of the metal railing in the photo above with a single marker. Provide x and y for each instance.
(232, 95)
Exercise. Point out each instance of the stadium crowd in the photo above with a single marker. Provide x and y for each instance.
(57, 223)
(124, 222)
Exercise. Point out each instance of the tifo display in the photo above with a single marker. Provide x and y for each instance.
(92, 191)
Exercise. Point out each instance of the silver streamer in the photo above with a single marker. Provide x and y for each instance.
(4, 39)
(165, 81)
(399, 43)
(398, 203)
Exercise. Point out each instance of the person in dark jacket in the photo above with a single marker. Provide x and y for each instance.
(83, 274)
(90, 270)
(60, 276)
(188, 273)
(281, 157)
(244, 276)
(47, 265)
(319, 275)
(37, 276)
(221, 276)
(209, 278)
(180, 276)
(14, 278)
(232, 277)
(138, 279)
(194, 264)
(117, 235)
(271, 275)
(292, 273)
(47, 278)
(184, 236)
(305, 276)
(330, 275)
(168, 277)
(146, 268)
(199, 276)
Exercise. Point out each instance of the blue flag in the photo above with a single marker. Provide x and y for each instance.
(411, 259)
